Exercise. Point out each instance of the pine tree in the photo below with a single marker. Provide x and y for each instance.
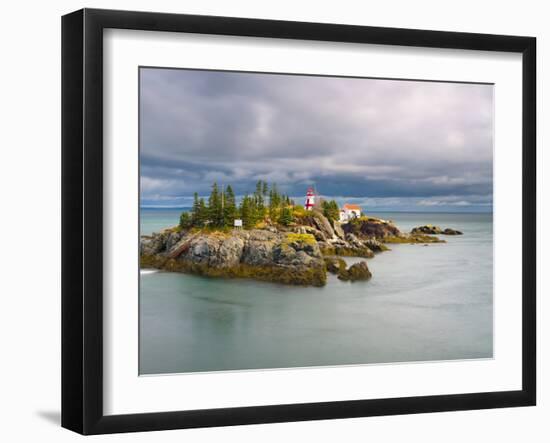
(335, 210)
(274, 202)
(331, 210)
(202, 213)
(259, 206)
(285, 218)
(185, 220)
(230, 207)
(195, 210)
(215, 210)
(245, 212)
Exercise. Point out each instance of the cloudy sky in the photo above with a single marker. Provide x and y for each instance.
(386, 144)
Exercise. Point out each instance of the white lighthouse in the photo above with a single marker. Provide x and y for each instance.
(310, 199)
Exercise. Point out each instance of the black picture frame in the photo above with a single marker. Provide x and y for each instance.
(82, 218)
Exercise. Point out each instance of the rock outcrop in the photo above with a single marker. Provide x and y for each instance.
(338, 230)
(434, 230)
(344, 248)
(357, 271)
(374, 245)
(332, 238)
(449, 231)
(374, 232)
(427, 229)
(279, 257)
(372, 228)
(414, 238)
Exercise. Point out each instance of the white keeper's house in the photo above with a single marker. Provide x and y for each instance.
(349, 212)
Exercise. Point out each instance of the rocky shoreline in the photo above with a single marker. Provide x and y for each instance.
(300, 254)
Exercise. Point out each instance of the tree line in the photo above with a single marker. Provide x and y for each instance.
(221, 209)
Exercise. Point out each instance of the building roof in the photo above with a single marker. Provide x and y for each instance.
(349, 206)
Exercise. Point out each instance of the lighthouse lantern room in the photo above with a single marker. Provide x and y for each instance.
(310, 199)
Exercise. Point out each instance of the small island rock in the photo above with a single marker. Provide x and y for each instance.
(427, 229)
(449, 231)
(357, 271)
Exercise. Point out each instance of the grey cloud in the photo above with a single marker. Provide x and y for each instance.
(356, 137)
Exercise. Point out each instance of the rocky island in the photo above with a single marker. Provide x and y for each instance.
(275, 240)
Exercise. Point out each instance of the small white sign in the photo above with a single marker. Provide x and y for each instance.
(238, 223)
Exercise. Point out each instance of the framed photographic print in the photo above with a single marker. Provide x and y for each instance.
(269, 221)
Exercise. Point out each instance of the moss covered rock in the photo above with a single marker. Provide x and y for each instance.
(281, 257)
(347, 251)
(357, 271)
(371, 228)
(427, 229)
(413, 239)
(335, 265)
(375, 245)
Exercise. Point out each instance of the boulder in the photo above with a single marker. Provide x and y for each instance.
(335, 265)
(449, 231)
(427, 229)
(357, 271)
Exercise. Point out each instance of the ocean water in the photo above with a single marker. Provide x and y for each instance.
(156, 219)
(424, 303)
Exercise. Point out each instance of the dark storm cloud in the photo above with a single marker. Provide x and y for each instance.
(362, 138)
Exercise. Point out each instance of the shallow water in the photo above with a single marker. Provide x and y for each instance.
(423, 303)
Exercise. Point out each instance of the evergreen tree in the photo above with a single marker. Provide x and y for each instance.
(215, 208)
(245, 211)
(285, 218)
(195, 210)
(274, 202)
(202, 213)
(221, 209)
(335, 210)
(185, 220)
(331, 210)
(259, 206)
(230, 208)
(199, 214)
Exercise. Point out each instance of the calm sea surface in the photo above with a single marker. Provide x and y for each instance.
(423, 303)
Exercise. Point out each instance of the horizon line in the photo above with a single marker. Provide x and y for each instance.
(372, 211)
